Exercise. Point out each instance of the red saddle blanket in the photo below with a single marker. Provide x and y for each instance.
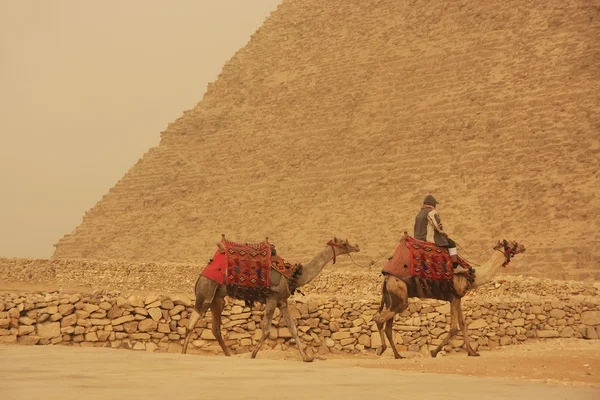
(242, 264)
(422, 259)
(227, 268)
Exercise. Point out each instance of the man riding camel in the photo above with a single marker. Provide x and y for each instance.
(428, 228)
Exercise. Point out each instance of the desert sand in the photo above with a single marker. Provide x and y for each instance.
(561, 369)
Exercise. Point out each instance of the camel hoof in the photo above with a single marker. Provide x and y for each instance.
(253, 355)
(380, 350)
(474, 354)
(398, 357)
(433, 354)
(308, 359)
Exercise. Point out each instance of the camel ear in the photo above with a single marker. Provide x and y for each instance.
(335, 239)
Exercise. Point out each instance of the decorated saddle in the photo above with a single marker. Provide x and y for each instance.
(424, 260)
(245, 268)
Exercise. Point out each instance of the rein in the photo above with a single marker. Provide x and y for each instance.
(508, 251)
(333, 245)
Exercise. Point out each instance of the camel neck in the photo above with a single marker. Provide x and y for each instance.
(315, 266)
(486, 271)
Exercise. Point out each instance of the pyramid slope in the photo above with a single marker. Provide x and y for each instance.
(339, 117)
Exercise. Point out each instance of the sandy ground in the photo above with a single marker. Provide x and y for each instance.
(568, 368)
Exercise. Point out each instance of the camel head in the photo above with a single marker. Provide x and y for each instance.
(340, 246)
(509, 248)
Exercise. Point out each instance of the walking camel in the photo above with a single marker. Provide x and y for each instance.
(396, 291)
(210, 294)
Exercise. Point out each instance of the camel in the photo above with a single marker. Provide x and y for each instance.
(212, 294)
(396, 291)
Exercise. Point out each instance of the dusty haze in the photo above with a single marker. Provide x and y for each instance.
(86, 90)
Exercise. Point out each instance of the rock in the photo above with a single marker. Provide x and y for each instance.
(66, 309)
(99, 322)
(115, 312)
(90, 308)
(28, 340)
(284, 332)
(48, 330)
(122, 320)
(140, 336)
(557, 313)
(376, 340)
(55, 317)
(334, 326)
(139, 346)
(329, 342)
(4, 323)
(10, 339)
(207, 335)
(141, 311)
(151, 347)
(237, 310)
(341, 335)
(591, 333)
(591, 318)
(245, 342)
(176, 310)
(518, 322)
(151, 298)
(478, 324)
(67, 330)
(147, 325)
(25, 330)
(130, 327)
(547, 334)
(135, 301)
(174, 348)
(505, 340)
(155, 304)
(164, 328)
(155, 313)
(103, 335)
(26, 321)
(364, 340)
(167, 305)
(105, 305)
(91, 337)
(567, 332)
(69, 320)
(358, 322)
(414, 347)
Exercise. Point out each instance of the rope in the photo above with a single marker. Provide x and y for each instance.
(367, 266)
(463, 250)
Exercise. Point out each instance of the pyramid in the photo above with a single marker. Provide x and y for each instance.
(338, 117)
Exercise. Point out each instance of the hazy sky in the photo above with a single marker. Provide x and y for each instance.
(86, 87)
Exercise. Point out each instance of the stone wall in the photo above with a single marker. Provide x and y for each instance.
(157, 322)
(281, 145)
(180, 278)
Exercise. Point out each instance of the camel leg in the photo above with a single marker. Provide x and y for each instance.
(454, 307)
(216, 308)
(390, 336)
(285, 312)
(463, 328)
(380, 327)
(270, 305)
(195, 317)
